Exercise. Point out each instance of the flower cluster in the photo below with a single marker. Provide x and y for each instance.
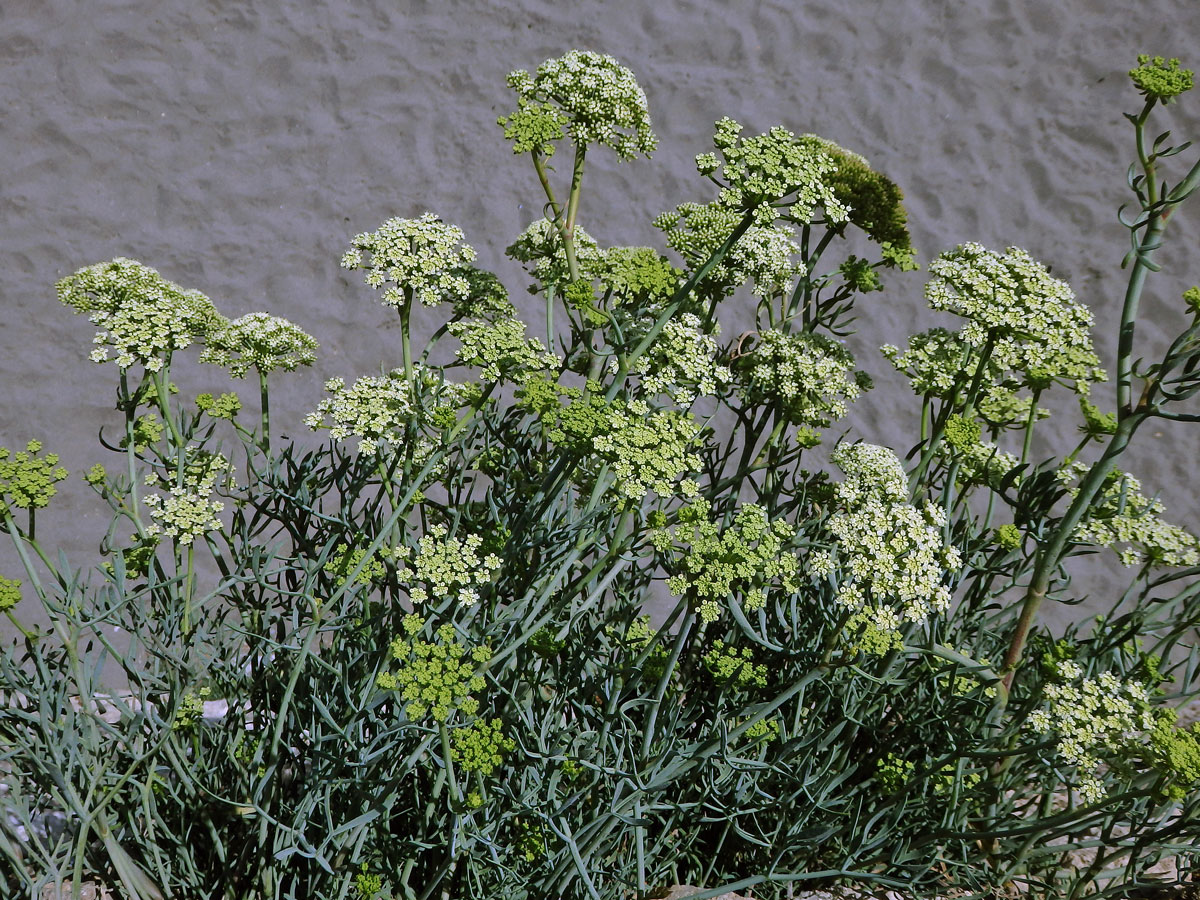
(890, 563)
(26, 479)
(529, 841)
(809, 377)
(189, 510)
(480, 746)
(541, 246)
(143, 317)
(893, 772)
(436, 678)
(737, 669)
(682, 362)
(534, 127)
(980, 461)
(262, 342)
(634, 642)
(423, 258)
(10, 593)
(764, 254)
(448, 567)
(934, 363)
(745, 559)
(500, 349)
(1121, 514)
(1093, 718)
(379, 409)
(226, 406)
(757, 172)
(367, 884)
(638, 277)
(1178, 753)
(874, 201)
(598, 97)
(647, 450)
(191, 709)
(1160, 79)
(145, 431)
(1039, 331)
(344, 560)
(764, 729)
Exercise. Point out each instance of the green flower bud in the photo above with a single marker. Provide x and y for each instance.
(1160, 79)
(10, 593)
(1009, 536)
(27, 480)
(1192, 297)
(224, 407)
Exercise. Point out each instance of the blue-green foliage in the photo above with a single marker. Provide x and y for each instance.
(413, 661)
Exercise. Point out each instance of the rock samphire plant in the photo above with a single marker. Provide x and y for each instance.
(415, 661)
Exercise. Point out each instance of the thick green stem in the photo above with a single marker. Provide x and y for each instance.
(1133, 294)
(1051, 553)
(162, 386)
(188, 588)
(266, 413)
(544, 177)
(1029, 423)
(568, 227)
(405, 340)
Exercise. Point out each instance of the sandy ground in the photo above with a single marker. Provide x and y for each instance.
(236, 146)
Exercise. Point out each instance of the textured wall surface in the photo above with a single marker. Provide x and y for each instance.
(236, 146)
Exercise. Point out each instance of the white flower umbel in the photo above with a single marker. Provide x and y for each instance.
(540, 247)
(1122, 515)
(448, 567)
(142, 316)
(262, 342)
(1039, 330)
(424, 256)
(891, 564)
(934, 362)
(681, 362)
(600, 98)
(188, 510)
(1093, 719)
(379, 409)
(809, 377)
(764, 255)
(758, 172)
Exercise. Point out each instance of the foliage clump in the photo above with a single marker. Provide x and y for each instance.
(427, 663)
